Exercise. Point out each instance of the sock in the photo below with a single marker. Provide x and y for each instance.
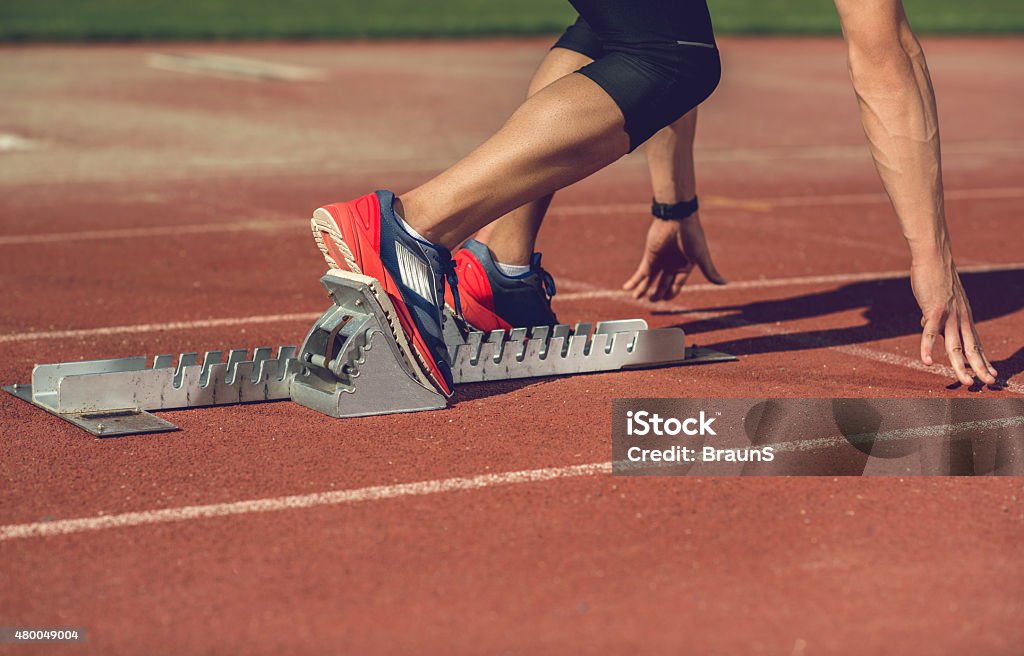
(412, 231)
(512, 270)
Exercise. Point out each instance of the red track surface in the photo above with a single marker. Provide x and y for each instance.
(150, 181)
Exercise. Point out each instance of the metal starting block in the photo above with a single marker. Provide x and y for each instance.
(349, 365)
(112, 397)
(563, 350)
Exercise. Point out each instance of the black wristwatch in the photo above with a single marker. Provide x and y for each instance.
(675, 211)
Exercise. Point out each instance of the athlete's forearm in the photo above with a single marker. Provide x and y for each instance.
(670, 161)
(897, 107)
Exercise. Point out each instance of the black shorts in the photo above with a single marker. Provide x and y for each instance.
(578, 37)
(657, 59)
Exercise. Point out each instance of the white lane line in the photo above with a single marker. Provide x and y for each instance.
(158, 327)
(587, 292)
(155, 231)
(941, 431)
(14, 142)
(767, 203)
(232, 67)
(897, 434)
(726, 319)
(774, 154)
(887, 358)
(862, 352)
(338, 497)
(282, 224)
(997, 193)
(789, 226)
(766, 283)
(439, 486)
(276, 166)
(720, 202)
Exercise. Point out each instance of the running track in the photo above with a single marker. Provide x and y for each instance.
(152, 202)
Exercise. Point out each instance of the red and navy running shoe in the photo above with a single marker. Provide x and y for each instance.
(493, 301)
(365, 236)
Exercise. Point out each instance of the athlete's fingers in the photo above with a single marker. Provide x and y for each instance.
(643, 284)
(640, 290)
(976, 354)
(702, 257)
(695, 245)
(710, 272)
(652, 285)
(658, 290)
(955, 349)
(656, 287)
(972, 343)
(663, 292)
(677, 284)
(988, 363)
(928, 336)
(637, 278)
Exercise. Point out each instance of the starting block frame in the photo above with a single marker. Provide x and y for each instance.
(114, 397)
(349, 365)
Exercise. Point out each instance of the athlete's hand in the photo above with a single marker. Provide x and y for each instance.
(946, 312)
(672, 250)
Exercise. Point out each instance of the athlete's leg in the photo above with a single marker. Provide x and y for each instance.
(661, 63)
(513, 237)
(562, 134)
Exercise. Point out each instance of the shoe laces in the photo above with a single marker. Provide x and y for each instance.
(448, 269)
(547, 281)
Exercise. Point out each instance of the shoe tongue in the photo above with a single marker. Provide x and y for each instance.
(443, 269)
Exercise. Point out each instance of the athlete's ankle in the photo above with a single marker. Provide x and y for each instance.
(512, 270)
(507, 253)
(411, 219)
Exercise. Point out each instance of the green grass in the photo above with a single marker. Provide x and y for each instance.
(90, 20)
(819, 16)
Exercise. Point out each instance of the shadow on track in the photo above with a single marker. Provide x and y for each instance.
(888, 306)
(476, 391)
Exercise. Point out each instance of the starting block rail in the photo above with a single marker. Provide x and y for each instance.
(563, 350)
(113, 397)
(349, 365)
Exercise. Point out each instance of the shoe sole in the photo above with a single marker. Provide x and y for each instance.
(323, 224)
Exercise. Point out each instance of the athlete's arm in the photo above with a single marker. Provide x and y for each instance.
(897, 108)
(672, 247)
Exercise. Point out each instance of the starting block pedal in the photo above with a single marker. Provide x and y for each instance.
(349, 365)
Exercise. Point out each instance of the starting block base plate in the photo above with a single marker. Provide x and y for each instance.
(702, 355)
(107, 423)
